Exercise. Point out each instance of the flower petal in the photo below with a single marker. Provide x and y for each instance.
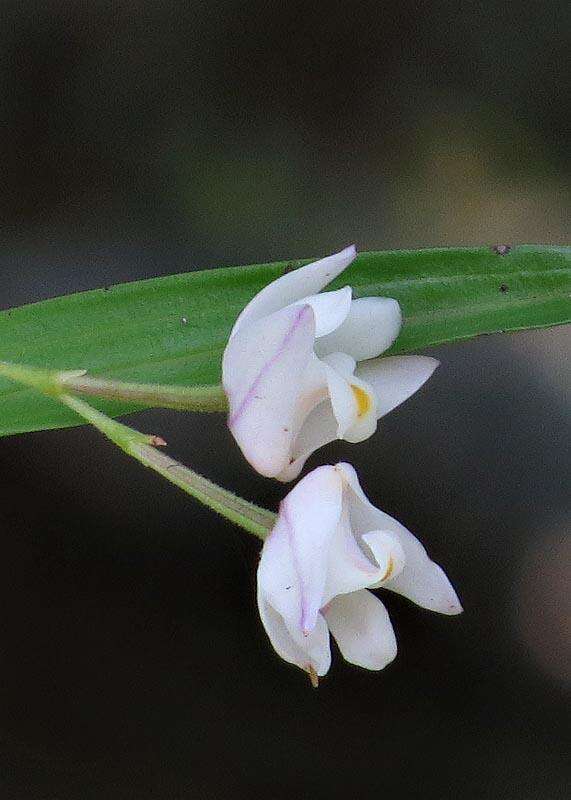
(421, 580)
(289, 288)
(342, 363)
(330, 309)
(338, 416)
(314, 651)
(370, 327)
(261, 372)
(349, 569)
(396, 378)
(362, 629)
(313, 390)
(360, 421)
(319, 428)
(293, 565)
(343, 400)
(365, 423)
(388, 554)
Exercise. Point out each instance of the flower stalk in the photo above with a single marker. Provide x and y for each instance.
(254, 519)
(181, 398)
(143, 447)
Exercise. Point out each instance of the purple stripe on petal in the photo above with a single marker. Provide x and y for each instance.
(300, 317)
(308, 615)
(304, 622)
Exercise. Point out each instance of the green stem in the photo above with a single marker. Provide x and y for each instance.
(181, 398)
(252, 518)
(249, 516)
(44, 380)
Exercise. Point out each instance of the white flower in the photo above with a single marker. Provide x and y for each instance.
(330, 545)
(291, 371)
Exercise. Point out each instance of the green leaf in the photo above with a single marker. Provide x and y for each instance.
(174, 329)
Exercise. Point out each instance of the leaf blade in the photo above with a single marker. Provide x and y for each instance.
(170, 330)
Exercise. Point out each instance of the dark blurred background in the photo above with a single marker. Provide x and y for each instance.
(146, 138)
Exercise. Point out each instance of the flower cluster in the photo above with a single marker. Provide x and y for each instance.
(300, 370)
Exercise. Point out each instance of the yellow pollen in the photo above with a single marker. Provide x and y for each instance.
(363, 399)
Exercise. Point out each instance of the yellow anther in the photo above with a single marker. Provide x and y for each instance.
(390, 569)
(364, 402)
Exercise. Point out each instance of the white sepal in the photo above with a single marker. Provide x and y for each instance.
(295, 285)
(370, 327)
(261, 372)
(395, 378)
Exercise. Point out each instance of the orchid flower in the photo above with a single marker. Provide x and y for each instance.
(300, 368)
(328, 547)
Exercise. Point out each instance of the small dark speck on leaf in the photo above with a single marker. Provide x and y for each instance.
(501, 249)
(504, 288)
(106, 288)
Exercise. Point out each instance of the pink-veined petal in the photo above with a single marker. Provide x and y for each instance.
(293, 565)
(421, 580)
(396, 378)
(292, 287)
(362, 629)
(262, 370)
(370, 327)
